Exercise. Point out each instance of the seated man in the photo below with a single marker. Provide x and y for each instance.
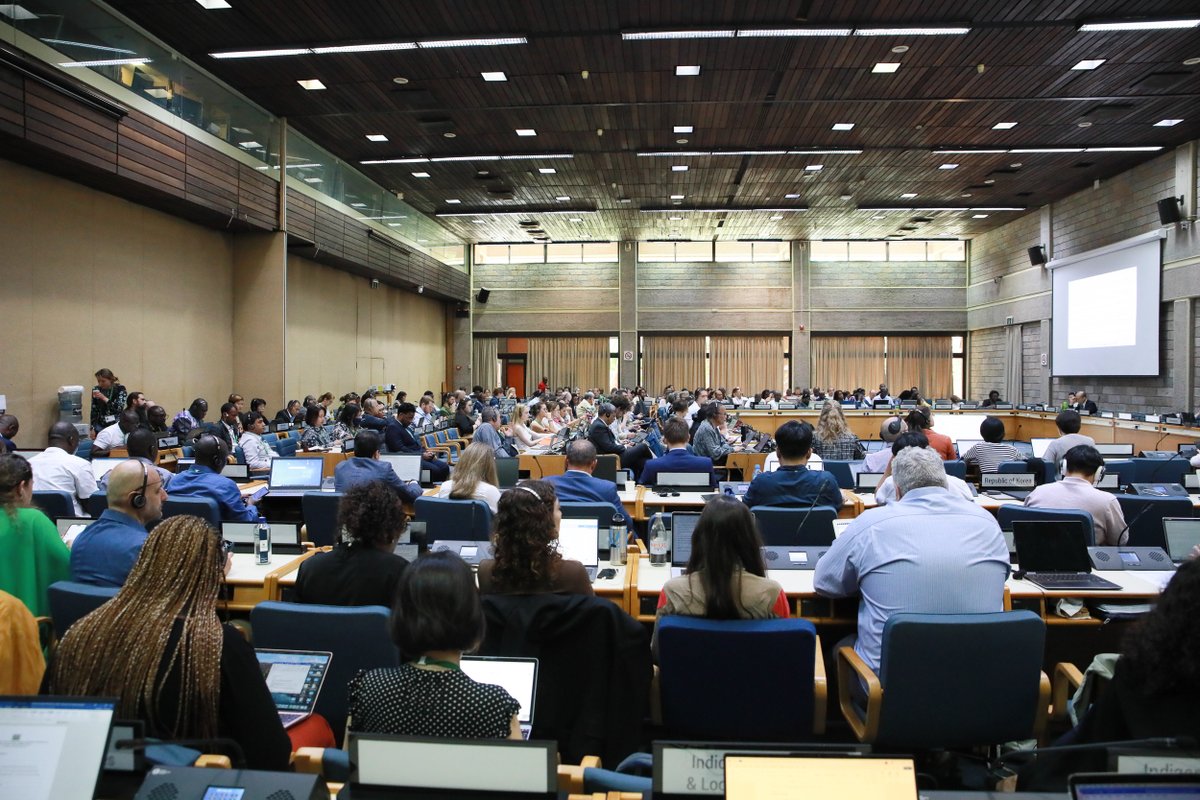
(932, 552)
(885, 492)
(1083, 404)
(228, 429)
(114, 435)
(204, 479)
(400, 439)
(191, 419)
(601, 436)
(793, 484)
(374, 415)
(677, 458)
(488, 432)
(106, 551)
(156, 420)
(366, 467)
(1069, 423)
(142, 446)
(9, 425)
(1076, 491)
(889, 429)
(709, 441)
(577, 485)
(57, 468)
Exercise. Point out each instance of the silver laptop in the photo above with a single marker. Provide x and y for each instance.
(1039, 446)
(577, 540)
(294, 679)
(103, 466)
(964, 445)
(517, 676)
(683, 525)
(1182, 534)
(285, 536)
(733, 488)
(867, 482)
(292, 477)
(406, 467)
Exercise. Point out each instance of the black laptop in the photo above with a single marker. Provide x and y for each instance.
(1054, 556)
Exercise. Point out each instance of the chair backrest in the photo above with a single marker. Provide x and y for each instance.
(84, 450)
(239, 455)
(97, 504)
(601, 512)
(469, 520)
(203, 507)
(843, 471)
(960, 680)
(320, 512)
(55, 503)
(1011, 511)
(356, 635)
(957, 468)
(270, 438)
(287, 447)
(1047, 471)
(1144, 515)
(70, 601)
(696, 655)
(807, 525)
(607, 465)
(1156, 470)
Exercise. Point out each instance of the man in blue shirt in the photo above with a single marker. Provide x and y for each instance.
(400, 439)
(366, 467)
(793, 484)
(106, 551)
(488, 432)
(204, 479)
(577, 485)
(677, 458)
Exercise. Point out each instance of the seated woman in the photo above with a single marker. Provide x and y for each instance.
(920, 420)
(348, 424)
(726, 576)
(541, 422)
(832, 438)
(525, 558)
(474, 477)
(520, 432)
(160, 648)
(362, 569)
(463, 419)
(315, 436)
(258, 453)
(437, 617)
(34, 555)
(989, 454)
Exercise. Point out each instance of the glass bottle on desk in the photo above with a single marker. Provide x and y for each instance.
(262, 542)
(660, 542)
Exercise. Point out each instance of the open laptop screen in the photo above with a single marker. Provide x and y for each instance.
(407, 468)
(1182, 534)
(293, 677)
(1051, 546)
(52, 747)
(296, 473)
(103, 466)
(682, 527)
(577, 540)
(1039, 446)
(517, 676)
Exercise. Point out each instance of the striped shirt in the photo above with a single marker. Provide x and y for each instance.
(990, 455)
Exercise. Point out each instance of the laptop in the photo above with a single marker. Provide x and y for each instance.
(1182, 534)
(733, 488)
(1054, 556)
(517, 676)
(1115, 449)
(54, 747)
(685, 769)
(1039, 446)
(1008, 485)
(867, 482)
(406, 467)
(1111, 482)
(103, 466)
(682, 482)
(70, 527)
(964, 445)
(239, 473)
(577, 540)
(167, 441)
(508, 471)
(285, 536)
(683, 525)
(471, 552)
(875, 445)
(294, 679)
(753, 777)
(1188, 450)
(1135, 785)
(606, 468)
(292, 477)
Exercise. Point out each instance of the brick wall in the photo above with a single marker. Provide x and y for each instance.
(869, 296)
(1031, 363)
(1121, 207)
(985, 362)
(707, 297)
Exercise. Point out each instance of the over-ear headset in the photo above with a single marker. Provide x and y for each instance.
(138, 499)
(1099, 476)
(895, 426)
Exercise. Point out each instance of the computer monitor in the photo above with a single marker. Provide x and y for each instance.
(406, 467)
(54, 747)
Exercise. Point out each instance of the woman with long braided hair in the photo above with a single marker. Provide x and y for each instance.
(159, 647)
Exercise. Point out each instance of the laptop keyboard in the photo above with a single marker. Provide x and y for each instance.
(1070, 580)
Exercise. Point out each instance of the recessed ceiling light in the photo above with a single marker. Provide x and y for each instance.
(547, 170)
(979, 216)
(494, 77)
(679, 168)
(900, 48)
(908, 195)
(450, 135)
(1016, 165)
(479, 221)
(453, 201)
(358, 205)
(791, 197)
(776, 217)
(312, 84)
(843, 126)
(1004, 126)
(681, 141)
(682, 129)
(420, 174)
(214, 4)
(1191, 62)
(990, 181)
(886, 67)
(675, 219)
(814, 168)
(376, 137)
(400, 79)
(526, 132)
(14, 11)
(1084, 124)
(624, 200)
(948, 166)
(684, 71)
(965, 194)
(563, 198)
(1167, 123)
(676, 197)
(251, 145)
(574, 219)
(1089, 63)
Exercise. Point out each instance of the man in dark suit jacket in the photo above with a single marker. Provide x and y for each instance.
(401, 440)
(1083, 404)
(677, 458)
(577, 485)
(228, 429)
(605, 441)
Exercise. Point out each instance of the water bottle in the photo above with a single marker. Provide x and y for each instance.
(660, 542)
(618, 541)
(757, 470)
(262, 542)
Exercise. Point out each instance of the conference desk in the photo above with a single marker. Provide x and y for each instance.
(642, 502)
(249, 583)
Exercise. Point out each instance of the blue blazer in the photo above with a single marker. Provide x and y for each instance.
(355, 471)
(575, 486)
(678, 461)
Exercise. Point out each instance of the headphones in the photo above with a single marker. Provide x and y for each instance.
(1099, 476)
(138, 499)
(895, 426)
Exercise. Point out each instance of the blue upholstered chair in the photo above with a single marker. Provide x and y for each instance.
(843, 471)
(97, 504)
(70, 601)
(957, 468)
(1011, 511)
(356, 635)
(453, 519)
(55, 503)
(807, 525)
(950, 680)
(1144, 515)
(320, 512)
(287, 447)
(203, 507)
(1048, 470)
(1156, 470)
(776, 666)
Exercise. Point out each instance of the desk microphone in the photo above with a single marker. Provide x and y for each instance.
(1158, 742)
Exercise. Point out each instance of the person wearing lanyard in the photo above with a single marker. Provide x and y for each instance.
(108, 400)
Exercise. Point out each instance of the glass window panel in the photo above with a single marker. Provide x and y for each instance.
(828, 251)
(772, 251)
(948, 251)
(491, 254)
(526, 254)
(656, 251)
(601, 252)
(693, 251)
(564, 253)
(956, 345)
(451, 254)
(906, 251)
(868, 251)
(735, 251)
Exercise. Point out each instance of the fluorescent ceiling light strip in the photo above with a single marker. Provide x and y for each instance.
(464, 158)
(106, 62)
(267, 53)
(679, 210)
(375, 47)
(998, 208)
(967, 152)
(69, 43)
(912, 31)
(493, 42)
(1046, 150)
(635, 36)
(1140, 25)
(1146, 149)
(673, 153)
(753, 33)
(749, 152)
(533, 156)
(816, 152)
(396, 161)
(518, 213)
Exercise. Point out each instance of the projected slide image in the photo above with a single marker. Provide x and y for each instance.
(1098, 312)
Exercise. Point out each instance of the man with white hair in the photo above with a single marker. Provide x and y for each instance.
(931, 552)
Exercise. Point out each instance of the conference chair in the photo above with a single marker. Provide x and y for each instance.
(356, 635)
(55, 503)
(1010, 511)
(239, 455)
(843, 471)
(806, 525)
(271, 439)
(453, 519)
(957, 468)
(71, 601)
(949, 680)
(320, 512)
(1121, 467)
(603, 513)
(96, 505)
(203, 507)
(1157, 470)
(84, 450)
(1144, 516)
(287, 447)
(445, 452)
(772, 672)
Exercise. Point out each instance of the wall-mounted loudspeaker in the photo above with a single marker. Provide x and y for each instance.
(1037, 255)
(482, 295)
(1168, 210)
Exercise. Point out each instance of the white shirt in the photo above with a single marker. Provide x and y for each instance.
(878, 461)
(258, 453)
(109, 437)
(885, 492)
(483, 491)
(54, 469)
